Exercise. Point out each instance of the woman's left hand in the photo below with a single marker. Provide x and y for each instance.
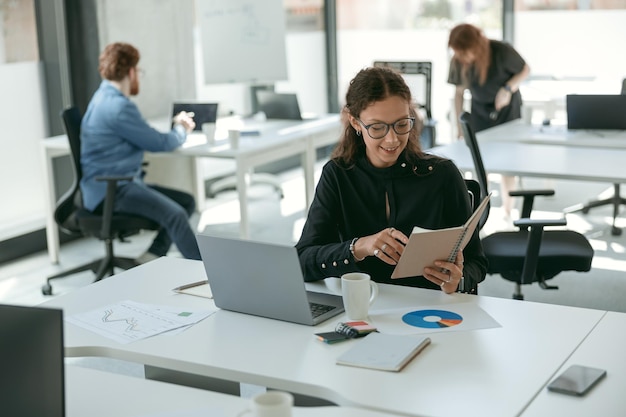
(448, 274)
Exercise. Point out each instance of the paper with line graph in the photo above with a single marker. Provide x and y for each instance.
(127, 321)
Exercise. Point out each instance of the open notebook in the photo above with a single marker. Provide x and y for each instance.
(426, 246)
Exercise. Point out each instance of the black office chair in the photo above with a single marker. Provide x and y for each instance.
(473, 190)
(530, 254)
(75, 220)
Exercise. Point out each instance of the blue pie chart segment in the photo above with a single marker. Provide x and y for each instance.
(432, 319)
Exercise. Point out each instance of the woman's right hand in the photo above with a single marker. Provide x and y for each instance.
(503, 98)
(387, 245)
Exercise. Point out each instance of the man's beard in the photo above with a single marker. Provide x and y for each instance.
(134, 87)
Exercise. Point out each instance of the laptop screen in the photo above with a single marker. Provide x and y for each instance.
(31, 361)
(278, 105)
(204, 112)
(596, 111)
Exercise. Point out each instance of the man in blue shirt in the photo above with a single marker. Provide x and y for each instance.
(114, 137)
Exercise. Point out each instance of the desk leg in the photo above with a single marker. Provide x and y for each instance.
(243, 178)
(52, 233)
(198, 184)
(308, 164)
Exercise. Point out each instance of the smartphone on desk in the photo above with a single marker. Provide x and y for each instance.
(576, 380)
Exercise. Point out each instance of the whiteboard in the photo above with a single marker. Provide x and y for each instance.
(242, 40)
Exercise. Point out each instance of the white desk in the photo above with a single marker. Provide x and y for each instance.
(96, 393)
(604, 348)
(541, 160)
(519, 131)
(277, 140)
(491, 372)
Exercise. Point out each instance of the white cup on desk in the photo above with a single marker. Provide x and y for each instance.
(233, 137)
(358, 292)
(270, 404)
(209, 131)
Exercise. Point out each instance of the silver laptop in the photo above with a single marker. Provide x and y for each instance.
(263, 279)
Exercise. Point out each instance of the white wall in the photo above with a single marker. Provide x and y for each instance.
(306, 69)
(163, 32)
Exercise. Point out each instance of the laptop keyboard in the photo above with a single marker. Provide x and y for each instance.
(319, 309)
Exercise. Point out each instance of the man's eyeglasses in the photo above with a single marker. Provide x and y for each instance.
(380, 130)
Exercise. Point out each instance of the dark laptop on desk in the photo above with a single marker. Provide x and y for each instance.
(278, 105)
(31, 362)
(203, 112)
(263, 279)
(596, 111)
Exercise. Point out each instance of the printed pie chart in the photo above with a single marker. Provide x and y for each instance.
(432, 319)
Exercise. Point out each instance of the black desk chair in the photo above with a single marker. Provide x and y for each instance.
(75, 220)
(530, 254)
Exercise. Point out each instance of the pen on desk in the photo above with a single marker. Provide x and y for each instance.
(193, 284)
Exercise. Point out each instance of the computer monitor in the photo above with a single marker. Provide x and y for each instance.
(278, 105)
(203, 112)
(596, 111)
(32, 379)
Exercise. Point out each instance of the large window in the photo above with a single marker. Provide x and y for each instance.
(409, 30)
(571, 46)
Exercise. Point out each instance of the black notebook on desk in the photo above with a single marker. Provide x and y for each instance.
(596, 111)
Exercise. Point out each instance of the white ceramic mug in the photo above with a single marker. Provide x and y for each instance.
(270, 404)
(358, 292)
(233, 137)
(209, 131)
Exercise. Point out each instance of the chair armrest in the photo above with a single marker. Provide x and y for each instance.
(521, 193)
(533, 243)
(529, 199)
(526, 223)
(114, 178)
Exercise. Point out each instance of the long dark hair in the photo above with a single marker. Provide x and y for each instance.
(466, 37)
(368, 86)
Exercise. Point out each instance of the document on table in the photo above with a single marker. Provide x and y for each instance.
(128, 321)
(429, 319)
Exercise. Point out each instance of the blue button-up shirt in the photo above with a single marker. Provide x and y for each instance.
(114, 137)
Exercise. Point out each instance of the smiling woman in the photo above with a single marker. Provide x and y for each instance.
(377, 186)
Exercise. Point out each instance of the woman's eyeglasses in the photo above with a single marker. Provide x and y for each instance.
(380, 130)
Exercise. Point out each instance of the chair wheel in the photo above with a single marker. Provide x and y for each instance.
(616, 231)
(46, 289)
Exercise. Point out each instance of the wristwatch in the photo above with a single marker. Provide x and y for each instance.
(508, 88)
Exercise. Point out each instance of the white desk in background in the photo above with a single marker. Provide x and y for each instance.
(489, 372)
(556, 134)
(93, 393)
(541, 160)
(276, 140)
(603, 348)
